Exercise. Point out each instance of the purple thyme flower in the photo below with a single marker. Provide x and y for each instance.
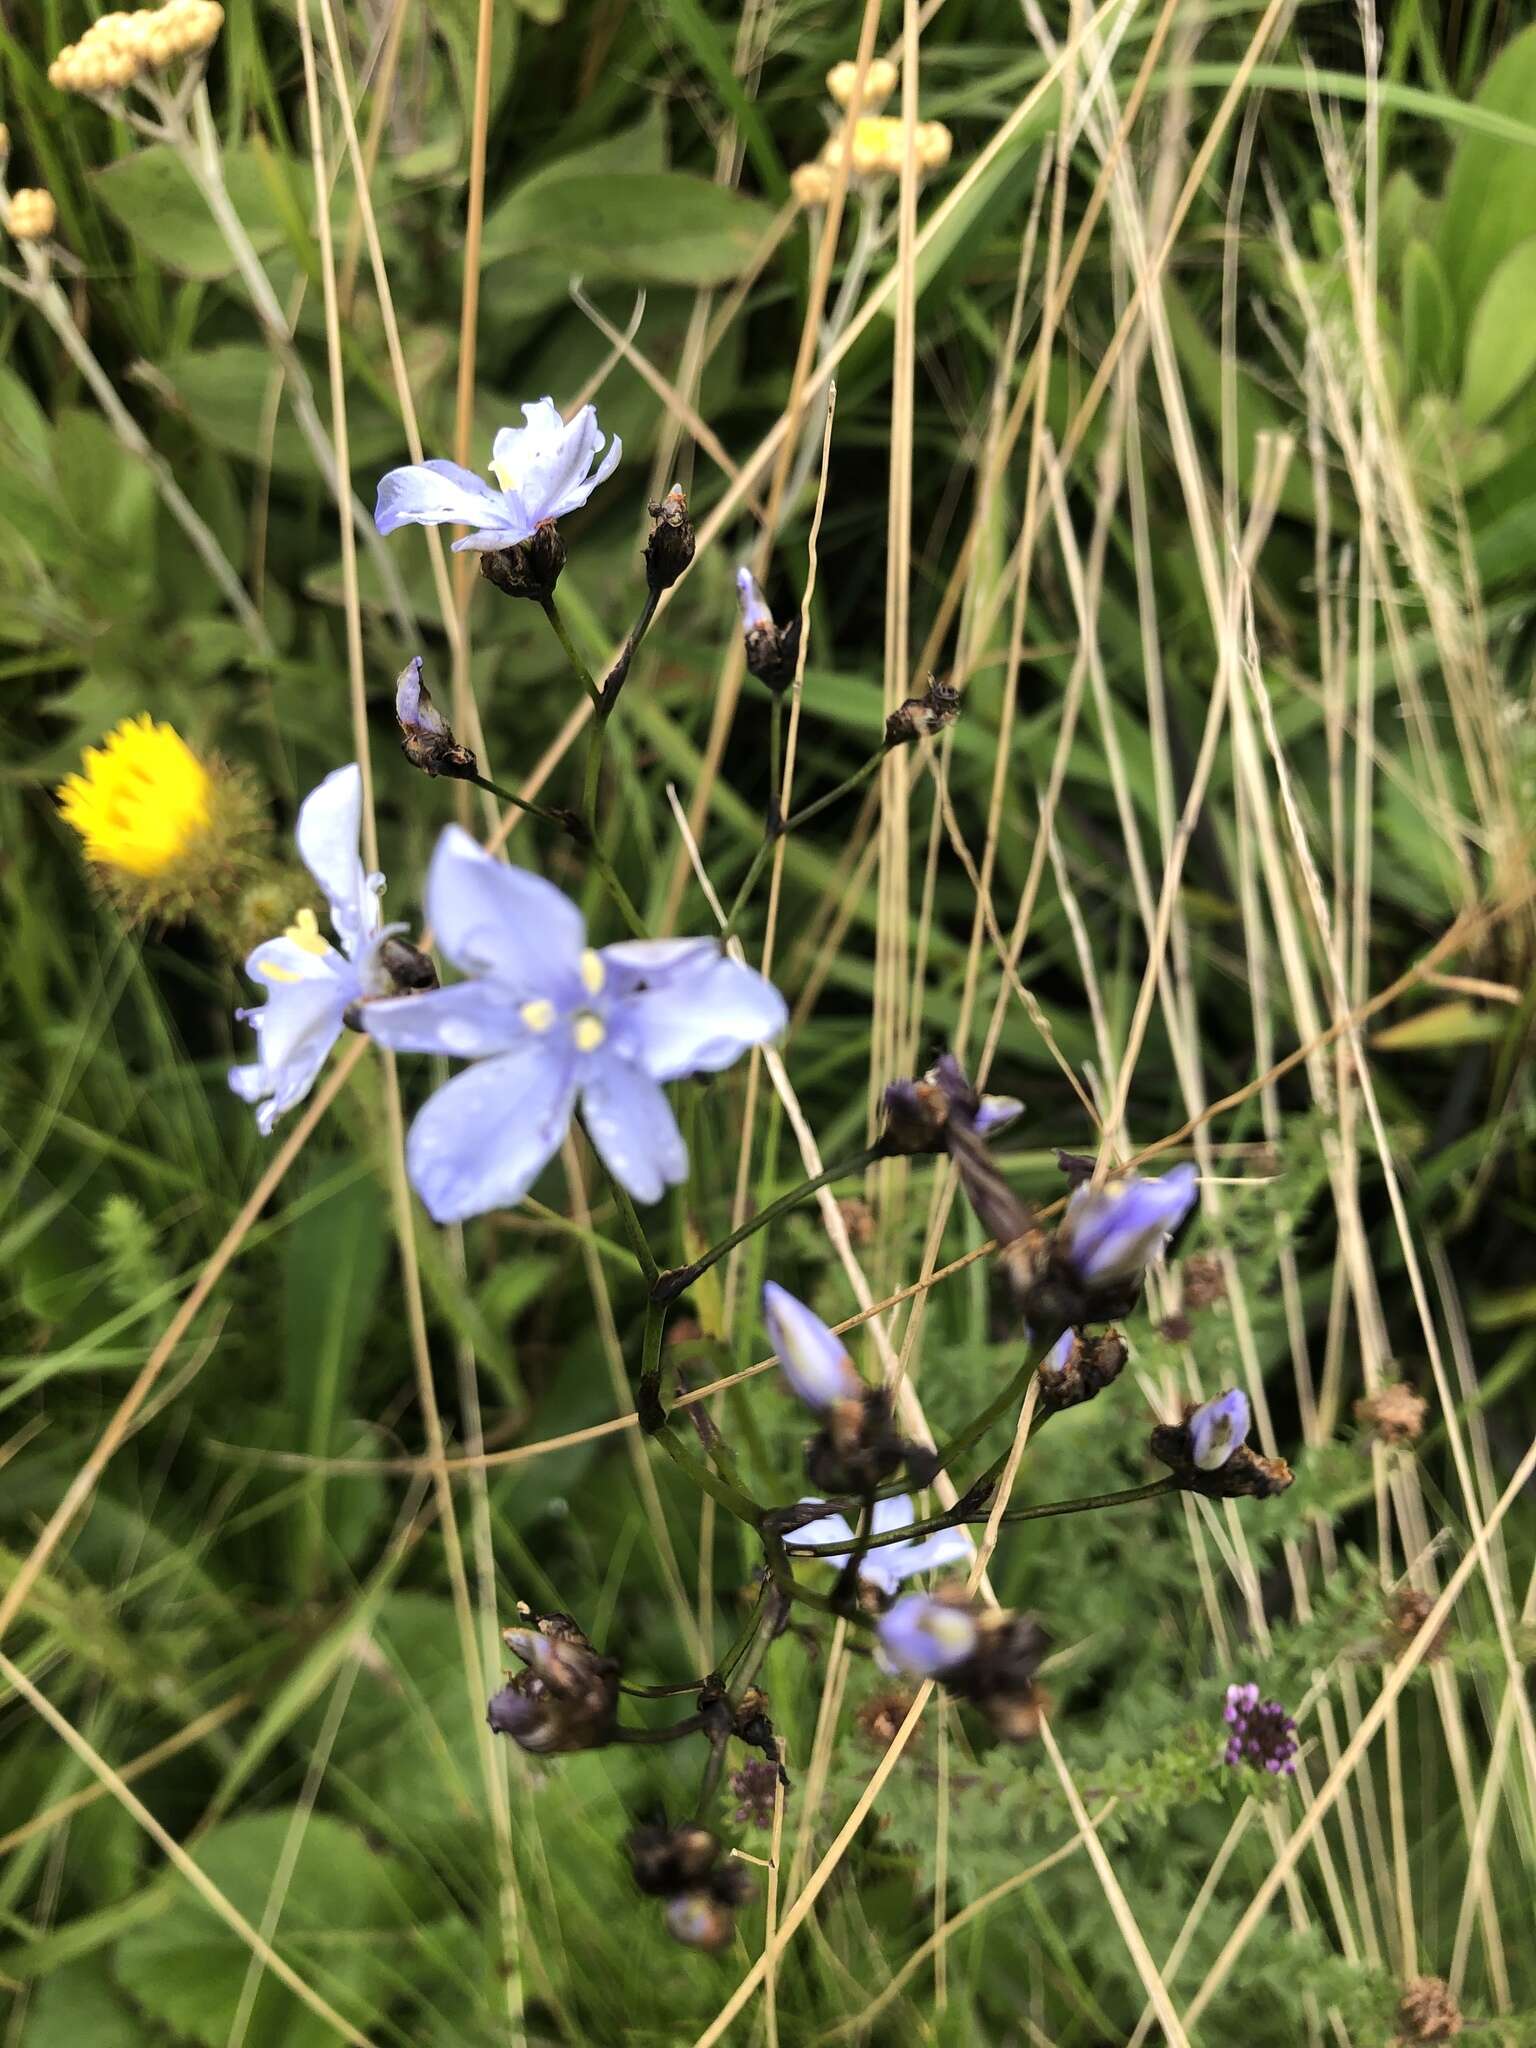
(549, 1021)
(815, 1363)
(1216, 1428)
(1111, 1234)
(922, 1636)
(544, 470)
(310, 985)
(1263, 1734)
(892, 1562)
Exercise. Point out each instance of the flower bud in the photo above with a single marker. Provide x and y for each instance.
(811, 184)
(669, 549)
(31, 215)
(1111, 1234)
(426, 738)
(569, 1697)
(1207, 1453)
(530, 568)
(1394, 1414)
(813, 1360)
(999, 1677)
(1078, 1368)
(880, 78)
(923, 1635)
(700, 1920)
(772, 651)
(938, 707)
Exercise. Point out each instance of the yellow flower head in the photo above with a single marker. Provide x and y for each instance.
(142, 801)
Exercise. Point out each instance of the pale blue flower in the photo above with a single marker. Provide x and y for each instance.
(755, 614)
(1059, 1357)
(815, 1362)
(1111, 1234)
(1216, 1428)
(544, 470)
(994, 1113)
(311, 985)
(892, 1562)
(920, 1636)
(550, 1022)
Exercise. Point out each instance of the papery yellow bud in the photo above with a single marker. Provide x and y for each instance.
(879, 83)
(31, 215)
(811, 184)
(934, 145)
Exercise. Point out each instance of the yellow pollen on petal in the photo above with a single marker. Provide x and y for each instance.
(590, 1032)
(306, 934)
(504, 476)
(593, 972)
(270, 971)
(142, 799)
(539, 1014)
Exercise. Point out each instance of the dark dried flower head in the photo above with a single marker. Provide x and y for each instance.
(938, 706)
(1394, 1414)
(426, 738)
(999, 1677)
(858, 1220)
(754, 1787)
(568, 1697)
(1428, 2011)
(1077, 1369)
(859, 1448)
(1407, 1611)
(1208, 1454)
(772, 650)
(530, 568)
(882, 1715)
(669, 548)
(1205, 1282)
(666, 1860)
(1263, 1735)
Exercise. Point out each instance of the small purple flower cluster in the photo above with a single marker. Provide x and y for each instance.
(1263, 1734)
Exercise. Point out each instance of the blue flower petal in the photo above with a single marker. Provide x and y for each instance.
(440, 493)
(686, 1008)
(484, 1138)
(503, 922)
(922, 1637)
(1113, 1233)
(328, 832)
(817, 1367)
(1217, 1428)
(631, 1123)
(296, 1027)
(471, 1020)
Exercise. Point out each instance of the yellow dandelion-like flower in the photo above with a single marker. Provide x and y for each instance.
(142, 801)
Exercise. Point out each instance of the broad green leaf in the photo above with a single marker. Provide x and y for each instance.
(227, 393)
(1501, 344)
(1490, 196)
(342, 1927)
(153, 195)
(1429, 319)
(515, 223)
(79, 2004)
(651, 227)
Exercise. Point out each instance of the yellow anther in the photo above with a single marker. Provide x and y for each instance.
(593, 972)
(539, 1014)
(306, 934)
(590, 1032)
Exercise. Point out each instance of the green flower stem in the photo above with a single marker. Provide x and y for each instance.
(779, 827)
(674, 1733)
(613, 682)
(731, 1498)
(677, 1279)
(583, 673)
(634, 1230)
(565, 820)
(953, 1517)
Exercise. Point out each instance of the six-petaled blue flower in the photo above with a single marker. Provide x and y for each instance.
(310, 984)
(549, 1022)
(543, 471)
(1111, 1234)
(892, 1562)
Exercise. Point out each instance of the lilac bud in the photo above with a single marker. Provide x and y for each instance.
(1111, 1234)
(514, 1713)
(1059, 1357)
(994, 1113)
(922, 1636)
(426, 738)
(772, 650)
(755, 615)
(1217, 1428)
(817, 1367)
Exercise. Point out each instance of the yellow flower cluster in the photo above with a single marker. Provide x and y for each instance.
(877, 146)
(31, 215)
(119, 48)
(142, 801)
